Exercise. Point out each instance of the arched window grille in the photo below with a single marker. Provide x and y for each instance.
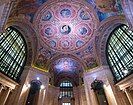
(66, 89)
(12, 53)
(120, 52)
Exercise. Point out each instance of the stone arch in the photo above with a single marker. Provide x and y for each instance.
(103, 34)
(66, 55)
(74, 76)
(29, 35)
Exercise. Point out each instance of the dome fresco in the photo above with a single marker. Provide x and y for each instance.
(65, 26)
(66, 67)
(103, 8)
(66, 64)
(106, 8)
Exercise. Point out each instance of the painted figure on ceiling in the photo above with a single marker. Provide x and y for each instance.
(41, 61)
(106, 5)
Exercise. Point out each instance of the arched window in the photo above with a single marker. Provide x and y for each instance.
(120, 52)
(12, 53)
(66, 89)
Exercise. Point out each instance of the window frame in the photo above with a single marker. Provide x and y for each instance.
(124, 52)
(14, 52)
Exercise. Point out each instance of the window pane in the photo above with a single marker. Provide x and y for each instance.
(66, 103)
(66, 89)
(12, 53)
(120, 53)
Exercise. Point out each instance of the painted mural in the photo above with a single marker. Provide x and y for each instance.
(66, 65)
(28, 8)
(65, 26)
(90, 63)
(103, 8)
(106, 8)
(42, 57)
(41, 61)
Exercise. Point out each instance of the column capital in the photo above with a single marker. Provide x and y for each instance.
(131, 88)
(2, 85)
(10, 89)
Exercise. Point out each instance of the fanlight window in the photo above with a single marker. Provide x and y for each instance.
(66, 84)
(120, 52)
(66, 103)
(12, 53)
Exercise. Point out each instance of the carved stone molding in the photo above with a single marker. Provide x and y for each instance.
(7, 81)
(126, 83)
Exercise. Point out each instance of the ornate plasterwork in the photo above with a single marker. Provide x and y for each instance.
(66, 68)
(65, 26)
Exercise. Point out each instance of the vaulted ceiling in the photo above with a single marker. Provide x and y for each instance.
(66, 31)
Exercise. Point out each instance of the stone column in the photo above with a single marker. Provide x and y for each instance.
(101, 73)
(22, 90)
(90, 95)
(130, 98)
(3, 101)
(72, 101)
(59, 101)
(76, 95)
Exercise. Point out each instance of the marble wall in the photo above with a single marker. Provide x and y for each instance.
(113, 94)
(22, 90)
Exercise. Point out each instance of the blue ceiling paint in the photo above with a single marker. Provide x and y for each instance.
(66, 65)
(40, 2)
(102, 15)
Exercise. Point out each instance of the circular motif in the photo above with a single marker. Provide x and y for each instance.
(84, 15)
(47, 16)
(83, 31)
(48, 31)
(65, 13)
(66, 26)
(65, 29)
(65, 44)
(79, 43)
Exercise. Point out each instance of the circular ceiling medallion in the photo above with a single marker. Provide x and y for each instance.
(65, 29)
(65, 26)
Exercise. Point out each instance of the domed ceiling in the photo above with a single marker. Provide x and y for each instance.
(66, 68)
(65, 26)
(66, 30)
(66, 64)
